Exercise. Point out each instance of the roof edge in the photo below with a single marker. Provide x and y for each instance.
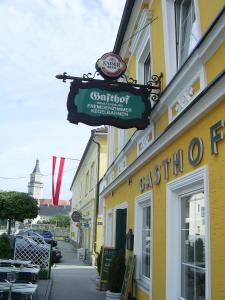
(123, 25)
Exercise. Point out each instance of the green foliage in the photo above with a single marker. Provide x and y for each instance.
(17, 206)
(59, 221)
(99, 261)
(116, 273)
(5, 248)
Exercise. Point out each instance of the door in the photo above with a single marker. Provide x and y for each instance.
(121, 227)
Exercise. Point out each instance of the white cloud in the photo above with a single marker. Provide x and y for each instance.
(39, 39)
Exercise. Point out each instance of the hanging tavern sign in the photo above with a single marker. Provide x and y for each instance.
(109, 102)
(99, 103)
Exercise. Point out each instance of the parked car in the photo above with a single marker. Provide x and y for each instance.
(45, 234)
(55, 253)
(29, 249)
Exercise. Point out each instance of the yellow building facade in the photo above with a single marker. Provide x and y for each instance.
(86, 234)
(167, 183)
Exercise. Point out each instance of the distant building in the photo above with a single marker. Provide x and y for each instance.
(48, 210)
(35, 185)
(87, 233)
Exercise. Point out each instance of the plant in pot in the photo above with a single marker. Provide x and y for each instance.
(5, 248)
(115, 276)
(99, 264)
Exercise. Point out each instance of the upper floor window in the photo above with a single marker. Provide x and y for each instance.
(186, 29)
(92, 175)
(87, 183)
(147, 69)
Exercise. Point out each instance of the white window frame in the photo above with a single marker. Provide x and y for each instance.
(122, 165)
(170, 49)
(109, 228)
(140, 46)
(111, 135)
(122, 138)
(195, 180)
(142, 201)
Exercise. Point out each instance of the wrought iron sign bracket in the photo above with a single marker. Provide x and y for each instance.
(117, 100)
(153, 86)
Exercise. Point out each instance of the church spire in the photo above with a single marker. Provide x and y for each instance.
(37, 167)
(35, 185)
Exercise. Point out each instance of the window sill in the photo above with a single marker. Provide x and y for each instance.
(143, 285)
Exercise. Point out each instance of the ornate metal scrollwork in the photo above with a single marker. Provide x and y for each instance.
(89, 76)
(129, 80)
(153, 86)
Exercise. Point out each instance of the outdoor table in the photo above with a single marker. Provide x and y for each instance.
(15, 262)
(17, 290)
(24, 273)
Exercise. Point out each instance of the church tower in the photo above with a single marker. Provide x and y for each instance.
(35, 186)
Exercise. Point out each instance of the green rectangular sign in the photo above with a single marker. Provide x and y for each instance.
(101, 103)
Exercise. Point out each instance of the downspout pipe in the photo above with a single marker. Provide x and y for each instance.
(96, 195)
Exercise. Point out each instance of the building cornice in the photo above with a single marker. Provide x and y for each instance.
(206, 100)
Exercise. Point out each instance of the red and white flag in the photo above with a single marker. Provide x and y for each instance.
(57, 169)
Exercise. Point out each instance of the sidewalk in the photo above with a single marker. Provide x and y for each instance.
(44, 289)
(70, 278)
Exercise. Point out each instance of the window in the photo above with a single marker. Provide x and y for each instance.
(187, 237)
(146, 241)
(87, 183)
(111, 145)
(109, 228)
(92, 175)
(181, 32)
(186, 29)
(122, 138)
(140, 47)
(147, 70)
(142, 242)
(192, 236)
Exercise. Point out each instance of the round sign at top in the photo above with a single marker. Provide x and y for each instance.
(76, 216)
(110, 66)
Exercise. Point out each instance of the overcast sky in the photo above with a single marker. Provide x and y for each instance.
(39, 39)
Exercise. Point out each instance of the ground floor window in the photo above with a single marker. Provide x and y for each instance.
(187, 237)
(142, 242)
(192, 239)
(146, 240)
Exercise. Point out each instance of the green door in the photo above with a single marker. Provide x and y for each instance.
(121, 227)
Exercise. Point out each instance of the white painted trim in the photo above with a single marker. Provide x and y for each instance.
(109, 228)
(140, 36)
(122, 139)
(187, 84)
(196, 62)
(191, 181)
(142, 201)
(213, 97)
(123, 205)
(169, 38)
(111, 135)
(144, 139)
(124, 51)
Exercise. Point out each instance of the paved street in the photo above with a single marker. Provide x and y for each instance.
(73, 279)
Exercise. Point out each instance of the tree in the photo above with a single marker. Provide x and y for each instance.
(17, 206)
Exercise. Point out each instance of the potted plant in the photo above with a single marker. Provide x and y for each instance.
(99, 263)
(6, 250)
(115, 276)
